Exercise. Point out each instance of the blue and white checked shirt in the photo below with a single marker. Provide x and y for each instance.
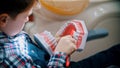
(14, 53)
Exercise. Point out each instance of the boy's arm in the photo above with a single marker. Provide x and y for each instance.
(57, 60)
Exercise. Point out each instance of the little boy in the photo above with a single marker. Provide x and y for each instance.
(17, 49)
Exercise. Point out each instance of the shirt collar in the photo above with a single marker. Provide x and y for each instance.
(4, 38)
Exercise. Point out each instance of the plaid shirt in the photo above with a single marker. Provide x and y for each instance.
(14, 53)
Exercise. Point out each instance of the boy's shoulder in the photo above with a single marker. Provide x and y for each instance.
(23, 32)
(5, 38)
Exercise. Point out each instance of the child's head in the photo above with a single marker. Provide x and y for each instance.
(14, 7)
(14, 14)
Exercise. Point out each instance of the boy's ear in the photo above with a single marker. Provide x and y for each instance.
(3, 19)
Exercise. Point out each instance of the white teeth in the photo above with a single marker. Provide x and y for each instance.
(78, 26)
(55, 42)
(75, 36)
(63, 28)
(50, 40)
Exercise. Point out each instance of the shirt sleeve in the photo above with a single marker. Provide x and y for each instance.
(57, 60)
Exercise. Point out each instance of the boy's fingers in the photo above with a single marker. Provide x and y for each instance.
(74, 46)
(73, 40)
(69, 36)
(58, 38)
(73, 49)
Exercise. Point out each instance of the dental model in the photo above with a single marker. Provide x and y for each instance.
(75, 28)
(46, 41)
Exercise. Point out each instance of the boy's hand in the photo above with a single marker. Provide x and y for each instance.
(66, 44)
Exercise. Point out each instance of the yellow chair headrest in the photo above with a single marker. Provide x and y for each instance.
(65, 7)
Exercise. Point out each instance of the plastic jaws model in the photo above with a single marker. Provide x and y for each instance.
(75, 28)
(46, 41)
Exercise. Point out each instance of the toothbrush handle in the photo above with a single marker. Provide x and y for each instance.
(67, 61)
